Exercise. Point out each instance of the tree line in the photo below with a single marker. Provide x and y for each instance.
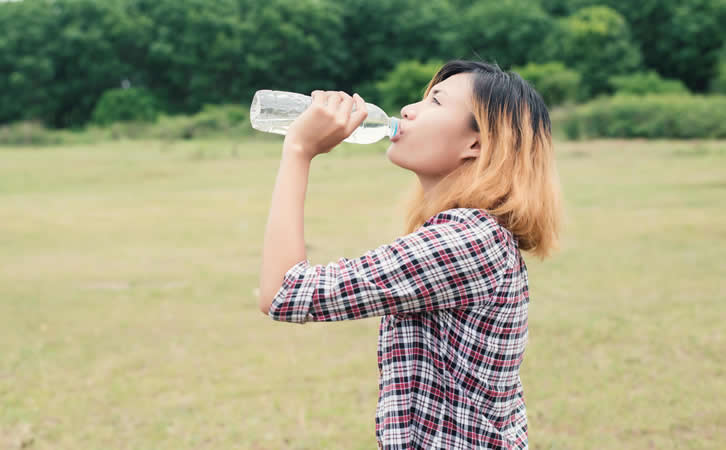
(59, 57)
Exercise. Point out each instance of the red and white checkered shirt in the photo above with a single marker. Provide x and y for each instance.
(453, 298)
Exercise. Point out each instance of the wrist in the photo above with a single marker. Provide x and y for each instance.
(296, 154)
(293, 149)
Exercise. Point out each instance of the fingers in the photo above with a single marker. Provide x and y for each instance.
(344, 108)
(318, 98)
(340, 106)
(327, 99)
(360, 114)
(334, 101)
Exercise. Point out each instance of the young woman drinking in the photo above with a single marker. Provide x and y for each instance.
(453, 292)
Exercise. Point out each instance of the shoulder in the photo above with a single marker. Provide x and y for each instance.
(473, 217)
(481, 221)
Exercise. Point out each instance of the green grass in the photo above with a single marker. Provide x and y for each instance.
(128, 319)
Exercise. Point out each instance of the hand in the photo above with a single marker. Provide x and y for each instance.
(326, 122)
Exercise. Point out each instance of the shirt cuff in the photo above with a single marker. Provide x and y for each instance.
(290, 303)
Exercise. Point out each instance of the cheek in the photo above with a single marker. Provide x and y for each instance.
(425, 156)
(427, 148)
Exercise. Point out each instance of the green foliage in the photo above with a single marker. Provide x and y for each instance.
(679, 39)
(561, 8)
(276, 44)
(718, 84)
(650, 82)
(121, 105)
(195, 51)
(508, 32)
(28, 133)
(651, 116)
(379, 34)
(556, 83)
(58, 57)
(211, 121)
(596, 42)
(406, 84)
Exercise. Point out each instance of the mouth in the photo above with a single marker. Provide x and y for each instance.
(398, 134)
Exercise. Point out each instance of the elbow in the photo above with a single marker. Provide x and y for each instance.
(263, 302)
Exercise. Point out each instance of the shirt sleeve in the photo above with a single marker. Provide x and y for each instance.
(447, 264)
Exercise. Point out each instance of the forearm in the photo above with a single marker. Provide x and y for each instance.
(284, 242)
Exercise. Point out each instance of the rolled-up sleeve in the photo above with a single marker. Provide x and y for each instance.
(447, 264)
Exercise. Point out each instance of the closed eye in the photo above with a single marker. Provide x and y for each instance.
(437, 102)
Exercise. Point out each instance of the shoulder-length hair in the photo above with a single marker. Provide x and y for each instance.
(514, 178)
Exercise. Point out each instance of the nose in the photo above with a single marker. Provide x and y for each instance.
(406, 112)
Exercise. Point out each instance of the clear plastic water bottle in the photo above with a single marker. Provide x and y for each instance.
(274, 112)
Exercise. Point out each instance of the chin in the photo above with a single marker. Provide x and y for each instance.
(394, 156)
(391, 154)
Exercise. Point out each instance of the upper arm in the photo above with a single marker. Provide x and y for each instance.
(444, 265)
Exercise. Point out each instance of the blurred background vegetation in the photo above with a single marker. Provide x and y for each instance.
(185, 67)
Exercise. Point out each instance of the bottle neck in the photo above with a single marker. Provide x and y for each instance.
(392, 126)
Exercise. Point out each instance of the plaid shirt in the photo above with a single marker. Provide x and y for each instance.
(453, 298)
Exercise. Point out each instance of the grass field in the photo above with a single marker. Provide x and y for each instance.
(128, 319)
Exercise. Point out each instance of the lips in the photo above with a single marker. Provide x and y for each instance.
(399, 133)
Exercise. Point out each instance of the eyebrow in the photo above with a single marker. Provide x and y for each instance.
(436, 91)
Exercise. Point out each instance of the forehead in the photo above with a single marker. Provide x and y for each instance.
(456, 88)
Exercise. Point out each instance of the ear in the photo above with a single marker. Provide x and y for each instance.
(473, 150)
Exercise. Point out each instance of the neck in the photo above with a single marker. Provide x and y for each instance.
(428, 185)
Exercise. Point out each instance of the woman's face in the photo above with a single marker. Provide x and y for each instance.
(435, 135)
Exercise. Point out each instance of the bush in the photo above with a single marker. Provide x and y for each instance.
(650, 82)
(211, 121)
(555, 83)
(405, 84)
(28, 133)
(125, 105)
(595, 41)
(507, 32)
(653, 116)
(228, 121)
(718, 85)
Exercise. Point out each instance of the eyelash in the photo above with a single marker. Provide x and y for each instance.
(437, 102)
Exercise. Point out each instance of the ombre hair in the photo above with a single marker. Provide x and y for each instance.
(514, 178)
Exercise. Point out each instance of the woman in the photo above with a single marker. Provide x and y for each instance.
(453, 292)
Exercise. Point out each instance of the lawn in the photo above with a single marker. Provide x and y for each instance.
(128, 318)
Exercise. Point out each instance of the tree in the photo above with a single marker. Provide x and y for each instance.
(596, 42)
(295, 45)
(677, 38)
(508, 32)
(192, 52)
(381, 33)
(555, 83)
(406, 83)
(58, 57)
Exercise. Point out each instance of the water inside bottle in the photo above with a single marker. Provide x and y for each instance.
(373, 129)
(277, 116)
